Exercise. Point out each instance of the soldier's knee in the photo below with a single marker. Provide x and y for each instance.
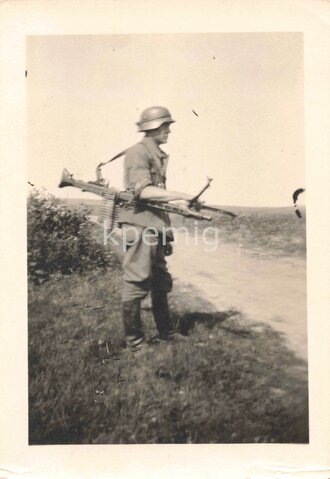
(135, 290)
(130, 236)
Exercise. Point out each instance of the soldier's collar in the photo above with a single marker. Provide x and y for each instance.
(152, 146)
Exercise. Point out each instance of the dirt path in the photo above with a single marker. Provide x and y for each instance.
(264, 289)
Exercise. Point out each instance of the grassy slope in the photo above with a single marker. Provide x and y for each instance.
(274, 231)
(231, 382)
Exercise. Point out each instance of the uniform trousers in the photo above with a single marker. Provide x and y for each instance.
(144, 264)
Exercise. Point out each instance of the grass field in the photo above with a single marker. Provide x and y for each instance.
(232, 381)
(275, 231)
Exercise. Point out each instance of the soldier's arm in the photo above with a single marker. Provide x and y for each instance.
(137, 169)
(153, 193)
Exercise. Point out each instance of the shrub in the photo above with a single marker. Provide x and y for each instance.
(60, 239)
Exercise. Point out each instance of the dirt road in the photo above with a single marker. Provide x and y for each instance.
(263, 289)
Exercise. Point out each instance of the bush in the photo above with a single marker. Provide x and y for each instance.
(60, 239)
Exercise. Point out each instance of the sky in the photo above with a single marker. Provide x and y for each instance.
(85, 94)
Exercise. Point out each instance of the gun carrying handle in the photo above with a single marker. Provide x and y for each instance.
(99, 176)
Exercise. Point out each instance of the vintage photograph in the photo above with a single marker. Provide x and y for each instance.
(166, 239)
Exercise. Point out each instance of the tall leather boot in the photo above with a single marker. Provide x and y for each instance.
(131, 313)
(161, 314)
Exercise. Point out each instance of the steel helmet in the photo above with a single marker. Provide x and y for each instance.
(153, 117)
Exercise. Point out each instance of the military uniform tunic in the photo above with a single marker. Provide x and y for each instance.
(144, 264)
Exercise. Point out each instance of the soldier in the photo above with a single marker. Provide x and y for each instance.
(144, 263)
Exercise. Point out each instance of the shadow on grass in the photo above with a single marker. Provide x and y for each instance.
(186, 322)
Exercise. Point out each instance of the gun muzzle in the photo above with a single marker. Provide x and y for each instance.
(66, 179)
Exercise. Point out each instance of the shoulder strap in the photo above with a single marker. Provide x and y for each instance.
(122, 153)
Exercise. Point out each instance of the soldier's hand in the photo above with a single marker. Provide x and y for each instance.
(197, 205)
(180, 203)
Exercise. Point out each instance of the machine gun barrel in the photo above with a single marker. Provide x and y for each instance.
(218, 210)
(91, 186)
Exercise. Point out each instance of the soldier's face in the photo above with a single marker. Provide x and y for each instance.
(160, 135)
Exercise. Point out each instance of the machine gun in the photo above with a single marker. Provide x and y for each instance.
(114, 199)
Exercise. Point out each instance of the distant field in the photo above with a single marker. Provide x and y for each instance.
(274, 231)
(93, 205)
(277, 231)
